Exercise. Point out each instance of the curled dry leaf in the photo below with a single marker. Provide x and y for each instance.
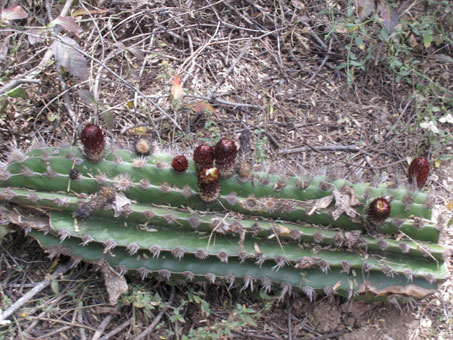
(115, 283)
(177, 90)
(321, 203)
(343, 205)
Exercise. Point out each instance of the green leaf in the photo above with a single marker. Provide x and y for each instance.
(87, 97)
(359, 42)
(18, 92)
(427, 38)
(55, 286)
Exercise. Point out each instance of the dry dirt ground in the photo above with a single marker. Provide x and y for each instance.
(300, 75)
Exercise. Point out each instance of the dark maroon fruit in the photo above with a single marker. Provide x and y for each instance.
(203, 156)
(419, 170)
(180, 163)
(225, 157)
(379, 209)
(93, 142)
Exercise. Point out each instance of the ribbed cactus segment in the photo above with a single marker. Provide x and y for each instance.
(304, 233)
(136, 214)
(181, 242)
(244, 273)
(157, 169)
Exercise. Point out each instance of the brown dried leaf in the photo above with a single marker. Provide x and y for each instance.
(114, 283)
(343, 205)
(389, 15)
(177, 90)
(321, 203)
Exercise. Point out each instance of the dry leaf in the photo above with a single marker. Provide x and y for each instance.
(66, 52)
(114, 283)
(343, 205)
(177, 90)
(202, 106)
(120, 202)
(140, 130)
(81, 12)
(321, 203)
(450, 205)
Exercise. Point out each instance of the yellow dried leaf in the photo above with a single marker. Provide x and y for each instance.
(176, 90)
(437, 163)
(130, 104)
(450, 205)
(140, 130)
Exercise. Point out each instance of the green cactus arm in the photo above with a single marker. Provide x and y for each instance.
(210, 268)
(207, 222)
(121, 161)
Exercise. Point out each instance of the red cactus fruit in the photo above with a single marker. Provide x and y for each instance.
(419, 170)
(208, 184)
(93, 142)
(225, 156)
(203, 156)
(180, 163)
(379, 209)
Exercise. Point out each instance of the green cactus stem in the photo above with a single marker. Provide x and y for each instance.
(157, 169)
(139, 214)
(247, 274)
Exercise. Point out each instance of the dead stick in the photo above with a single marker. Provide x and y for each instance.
(116, 330)
(350, 148)
(101, 327)
(28, 296)
(230, 69)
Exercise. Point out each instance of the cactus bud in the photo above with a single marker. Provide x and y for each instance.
(419, 170)
(379, 209)
(93, 142)
(180, 163)
(208, 184)
(143, 146)
(225, 156)
(203, 156)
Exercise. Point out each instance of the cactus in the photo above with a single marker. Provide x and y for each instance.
(306, 234)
